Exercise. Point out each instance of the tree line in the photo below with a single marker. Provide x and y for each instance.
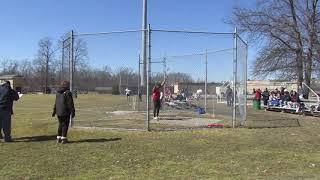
(46, 70)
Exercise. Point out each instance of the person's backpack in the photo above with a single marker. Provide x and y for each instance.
(62, 108)
(4, 96)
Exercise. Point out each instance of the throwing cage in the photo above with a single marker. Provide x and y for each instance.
(112, 81)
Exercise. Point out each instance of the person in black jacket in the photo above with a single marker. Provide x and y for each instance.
(63, 108)
(265, 97)
(7, 96)
(229, 95)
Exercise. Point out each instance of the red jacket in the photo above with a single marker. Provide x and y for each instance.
(258, 95)
(155, 94)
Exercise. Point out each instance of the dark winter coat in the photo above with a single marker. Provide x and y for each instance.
(229, 93)
(7, 96)
(64, 105)
(265, 95)
(287, 97)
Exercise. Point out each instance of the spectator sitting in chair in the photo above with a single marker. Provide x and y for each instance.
(300, 102)
(286, 97)
(274, 99)
(198, 94)
(294, 96)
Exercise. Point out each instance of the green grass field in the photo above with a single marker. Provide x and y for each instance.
(289, 152)
(109, 111)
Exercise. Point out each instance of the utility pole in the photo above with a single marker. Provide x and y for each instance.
(139, 88)
(144, 42)
(165, 76)
(206, 83)
(235, 58)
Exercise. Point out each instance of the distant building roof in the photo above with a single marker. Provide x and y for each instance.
(10, 76)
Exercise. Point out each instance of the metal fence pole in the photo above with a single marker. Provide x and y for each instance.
(62, 61)
(213, 99)
(165, 76)
(139, 90)
(148, 79)
(71, 68)
(144, 41)
(120, 83)
(245, 88)
(234, 78)
(206, 82)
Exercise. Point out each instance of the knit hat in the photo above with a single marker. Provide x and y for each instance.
(65, 84)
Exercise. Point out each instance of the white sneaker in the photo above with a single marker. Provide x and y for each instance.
(155, 118)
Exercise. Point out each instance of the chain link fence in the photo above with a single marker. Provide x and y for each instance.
(205, 79)
(241, 80)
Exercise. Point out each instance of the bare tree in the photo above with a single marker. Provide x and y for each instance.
(27, 70)
(288, 31)
(80, 54)
(80, 58)
(44, 59)
(9, 66)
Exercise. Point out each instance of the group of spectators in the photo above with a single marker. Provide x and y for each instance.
(277, 97)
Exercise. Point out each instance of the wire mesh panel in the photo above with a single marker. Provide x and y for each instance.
(195, 79)
(199, 71)
(241, 80)
(106, 80)
(65, 58)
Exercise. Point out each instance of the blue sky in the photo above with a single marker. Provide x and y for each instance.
(25, 22)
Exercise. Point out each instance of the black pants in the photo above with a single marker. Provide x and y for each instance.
(156, 108)
(63, 125)
(229, 101)
(5, 120)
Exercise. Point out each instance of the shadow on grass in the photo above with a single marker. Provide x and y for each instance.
(100, 140)
(36, 138)
(54, 137)
(273, 123)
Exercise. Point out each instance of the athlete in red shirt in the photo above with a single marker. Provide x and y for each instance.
(156, 98)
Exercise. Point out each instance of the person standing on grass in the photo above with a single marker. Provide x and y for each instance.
(257, 97)
(140, 95)
(7, 96)
(63, 108)
(127, 93)
(265, 97)
(229, 95)
(156, 98)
